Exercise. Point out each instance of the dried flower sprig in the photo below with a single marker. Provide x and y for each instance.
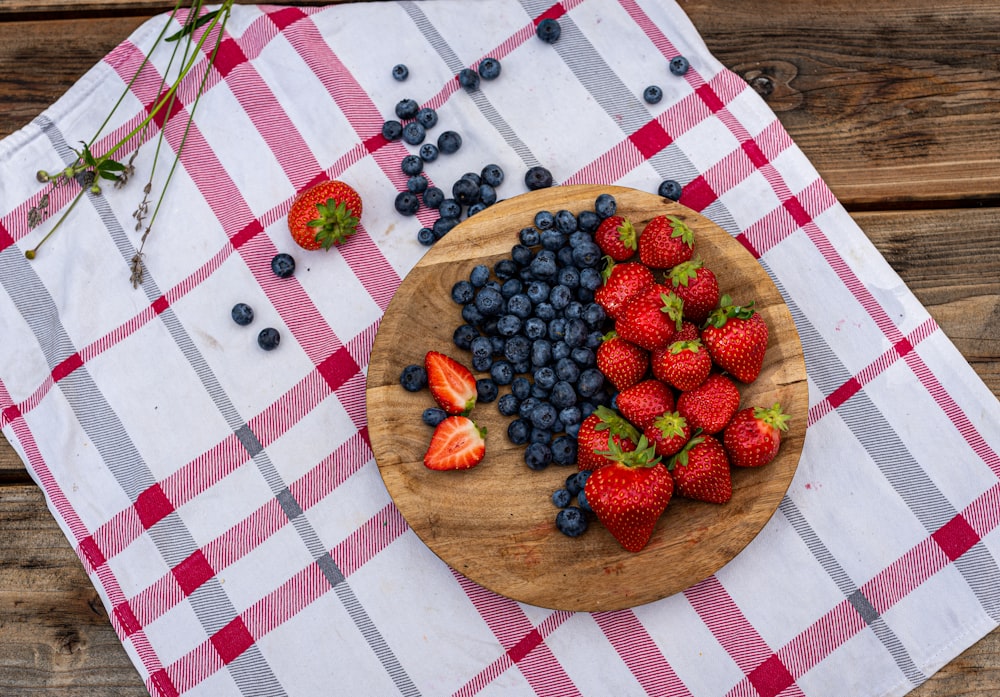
(88, 169)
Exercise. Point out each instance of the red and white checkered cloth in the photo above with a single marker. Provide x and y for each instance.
(225, 501)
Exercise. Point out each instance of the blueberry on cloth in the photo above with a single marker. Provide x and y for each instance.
(449, 142)
(652, 94)
(432, 416)
(492, 174)
(413, 378)
(450, 208)
(414, 133)
(400, 72)
(242, 314)
(465, 191)
(679, 65)
(489, 68)
(268, 339)
(425, 236)
(416, 184)
(428, 152)
(427, 117)
(392, 130)
(669, 189)
(433, 197)
(283, 265)
(407, 109)
(407, 203)
(548, 30)
(469, 79)
(412, 165)
(537, 177)
(571, 521)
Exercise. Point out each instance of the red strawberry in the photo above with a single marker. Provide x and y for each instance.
(697, 286)
(452, 385)
(683, 364)
(456, 444)
(668, 433)
(753, 436)
(701, 471)
(711, 405)
(736, 338)
(688, 332)
(665, 242)
(643, 402)
(621, 283)
(324, 215)
(597, 432)
(651, 318)
(616, 237)
(621, 362)
(630, 494)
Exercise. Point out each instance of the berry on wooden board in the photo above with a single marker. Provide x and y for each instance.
(753, 436)
(701, 470)
(452, 385)
(457, 443)
(736, 338)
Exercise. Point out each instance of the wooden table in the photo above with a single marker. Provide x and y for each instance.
(897, 103)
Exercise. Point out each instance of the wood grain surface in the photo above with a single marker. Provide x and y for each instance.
(496, 523)
(895, 103)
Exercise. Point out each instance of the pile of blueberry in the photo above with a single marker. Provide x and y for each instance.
(531, 325)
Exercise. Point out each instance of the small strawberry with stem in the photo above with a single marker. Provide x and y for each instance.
(753, 436)
(324, 215)
(697, 286)
(621, 361)
(622, 282)
(683, 364)
(652, 318)
(456, 444)
(630, 494)
(736, 338)
(643, 402)
(665, 242)
(452, 385)
(701, 470)
(617, 237)
(597, 432)
(668, 433)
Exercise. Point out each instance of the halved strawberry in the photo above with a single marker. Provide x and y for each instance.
(324, 215)
(456, 444)
(452, 385)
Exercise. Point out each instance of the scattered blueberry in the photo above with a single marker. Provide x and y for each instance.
(413, 378)
(492, 175)
(464, 334)
(479, 275)
(283, 265)
(581, 501)
(508, 404)
(416, 184)
(679, 65)
(407, 109)
(412, 165)
(571, 521)
(268, 339)
(433, 197)
(425, 236)
(486, 390)
(518, 431)
(489, 68)
(537, 456)
(432, 416)
(605, 206)
(652, 94)
(563, 450)
(465, 191)
(400, 72)
(414, 133)
(449, 142)
(392, 130)
(242, 314)
(537, 177)
(442, 226)
(450, 208)
(427, 117)
(670, 189)
(548, 30)
(428, 152)
(576, 481)
(469, 79)
(561, 498)
(407, 203)
(462, 292)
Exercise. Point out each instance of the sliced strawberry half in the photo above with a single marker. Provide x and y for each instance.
(456, 444)
(452, 385)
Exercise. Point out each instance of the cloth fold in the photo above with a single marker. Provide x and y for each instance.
(224, 500)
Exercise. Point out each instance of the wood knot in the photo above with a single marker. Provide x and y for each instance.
(772, 80)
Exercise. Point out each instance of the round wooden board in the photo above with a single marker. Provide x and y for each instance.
(495, 523)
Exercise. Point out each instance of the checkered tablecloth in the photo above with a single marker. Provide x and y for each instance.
(224, 500)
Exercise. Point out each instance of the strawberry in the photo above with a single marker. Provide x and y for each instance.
(621, 283)
(621, 362)
(630, 494)
(736, 338)
(683, 364)
(456, 444)
(597, 432)
(643, 402)
(687, 332)
(616, 237)
(697, 286)
(701, 470)
(753, 436)
(668, 433)
(651, 318)
(711, 405)
(324, 215)
(452, 385)
(665, 242)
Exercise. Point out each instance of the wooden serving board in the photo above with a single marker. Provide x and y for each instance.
(495, 523)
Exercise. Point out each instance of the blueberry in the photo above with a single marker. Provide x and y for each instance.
(492, 174)
(568, 371)
(392, 130)
(519, 305)
(544, 220)
(283, 265)
(487, 195)
(562, 395)
(537, 178)
(432, 416)
(537, 456)
(679, 65)
(509, 325)
(541, 435)
(569, 277)
(560, 296)
(489, 301)
(407, 109)
(469, 79)
(414, 133)
(479, 275)
(521, 255)
(268, 339)
(544, 311)
(486, 390)
(541, 352)
(570, 415)
(538, 291)
(563, 450)
(527, 407)
(489, 68)
(545, 377)
(544, 264)
(508, 405)
(605, 206)
(407, 203)
(449, 142)
(465, 192)
(471, 315)
(462, 292)
(443, 225)
(560, 350)
(552, 240)
(416, 184)
(548, 30)
(502, 372)
(427, 117)
(588, 254)
(464, 335)
(669, 188)
(412, 165)
(544, 415)
(425, 236)
(242, 314)
(450, 208)
(566, 222)
(518, 431)
(413, 378)
(481, 347)
(529, 236)
(590, 383)
(400, 72)
(520, 387)
(571, 521)
(576, 481)
(433, 197)
(557, 329)
(511, 285)
(584, 357)
(581, 501)
(561, 498)
(517, 349)
(594, 315)
(588, 221)
(652, 94)
(590, 278)
(428, 152)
